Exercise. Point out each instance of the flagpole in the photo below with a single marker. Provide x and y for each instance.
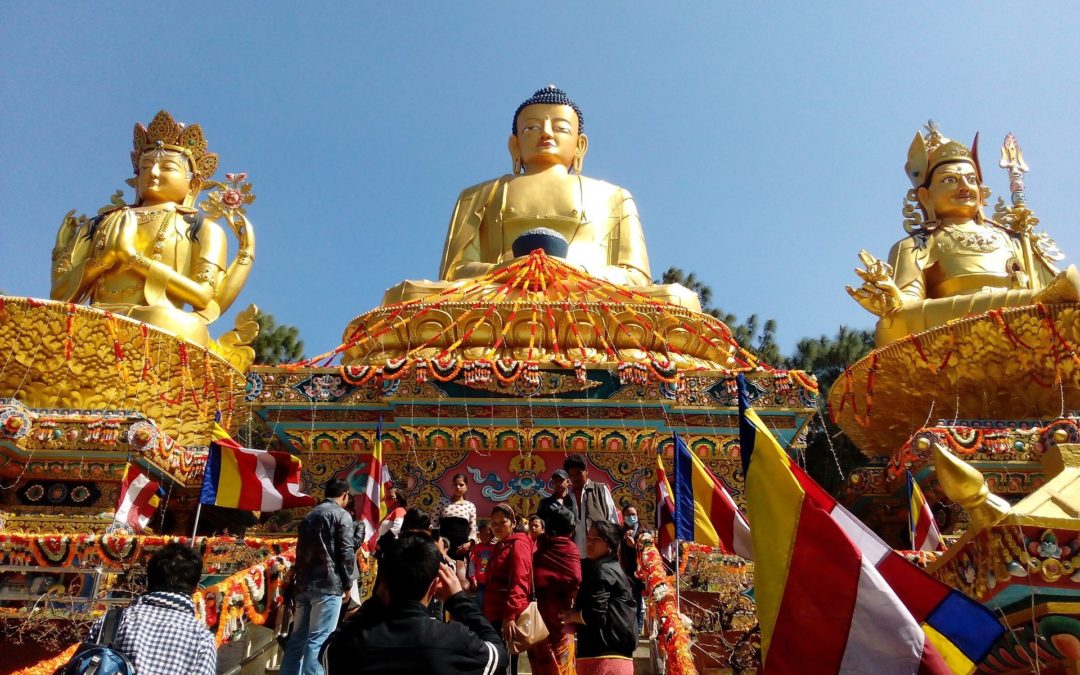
(198, 512)
(678, 564)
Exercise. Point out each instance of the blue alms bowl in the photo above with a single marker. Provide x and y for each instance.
(550, 241)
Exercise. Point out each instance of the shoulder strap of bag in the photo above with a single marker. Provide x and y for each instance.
(109, 626)
(532, 580)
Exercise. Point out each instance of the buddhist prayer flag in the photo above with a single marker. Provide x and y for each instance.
(704, 511)
(139, 498)
(925, 535)
(665, 512)
(831, 593)
(370, 507)
(251, 480)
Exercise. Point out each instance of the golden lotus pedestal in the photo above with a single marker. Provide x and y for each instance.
(83, 393)
(996, 388)
(502, 378)
(1018, 363)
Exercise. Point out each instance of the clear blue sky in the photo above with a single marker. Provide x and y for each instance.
(764, 142)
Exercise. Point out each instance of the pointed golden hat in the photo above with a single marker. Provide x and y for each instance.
(931, 151)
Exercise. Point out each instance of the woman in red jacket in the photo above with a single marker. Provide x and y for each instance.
(509, 575)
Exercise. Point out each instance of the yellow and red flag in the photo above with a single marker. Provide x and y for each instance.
(828, 589)
(925, 535)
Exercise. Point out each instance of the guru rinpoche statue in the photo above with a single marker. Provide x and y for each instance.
(597, 220)
(957, 261)
(150, 260)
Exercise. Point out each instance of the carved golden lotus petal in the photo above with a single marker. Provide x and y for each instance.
(108, 362)
(604, 334)
(1014, 363)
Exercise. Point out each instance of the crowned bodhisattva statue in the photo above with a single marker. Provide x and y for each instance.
(154, 259)
(956, 261)
(597, 222)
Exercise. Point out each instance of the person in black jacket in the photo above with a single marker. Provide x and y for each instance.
(605, 607)
(324, 572)
(400, 636)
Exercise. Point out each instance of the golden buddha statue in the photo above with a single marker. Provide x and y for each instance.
(150, 260)
(957, 261)
(598, 221)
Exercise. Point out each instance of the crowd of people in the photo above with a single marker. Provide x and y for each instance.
(455, 593)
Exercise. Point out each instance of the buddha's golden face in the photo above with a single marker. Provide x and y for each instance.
(954, 192)
(547, 135)
(163, 177)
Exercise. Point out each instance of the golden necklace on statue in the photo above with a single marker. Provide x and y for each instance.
(983, 242)
(147, 217)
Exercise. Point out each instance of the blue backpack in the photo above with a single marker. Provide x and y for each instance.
(100, 657)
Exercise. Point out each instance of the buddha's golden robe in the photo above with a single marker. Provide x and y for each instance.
(599, 220)
(967, 269)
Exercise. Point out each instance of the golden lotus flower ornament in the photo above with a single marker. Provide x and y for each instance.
(229, 198)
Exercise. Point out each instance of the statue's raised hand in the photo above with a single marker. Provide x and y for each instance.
(878, 294)
(66, 233)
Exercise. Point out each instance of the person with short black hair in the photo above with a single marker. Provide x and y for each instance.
(560, 494)
(628, 557)
(399, 637)
(158, 631)
(416, 521)
(324, 571)
(592, 501)
(536, 528)
(479, 557)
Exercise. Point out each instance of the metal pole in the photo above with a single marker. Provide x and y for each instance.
(198, 512)
(678, 564)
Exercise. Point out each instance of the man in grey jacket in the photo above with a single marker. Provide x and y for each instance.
(592, 501)
(324, 572)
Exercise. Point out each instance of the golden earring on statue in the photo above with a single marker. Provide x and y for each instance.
(517, 165)
(578, 159)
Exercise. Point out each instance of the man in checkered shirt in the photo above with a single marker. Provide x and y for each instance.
(158, 631)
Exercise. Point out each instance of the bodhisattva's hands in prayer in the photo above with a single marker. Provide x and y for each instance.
(879, 294)
(449, 584)
(125, 241)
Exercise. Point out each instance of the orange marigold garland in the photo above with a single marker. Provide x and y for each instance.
(239, 596)
(49, 666)
(672, 636)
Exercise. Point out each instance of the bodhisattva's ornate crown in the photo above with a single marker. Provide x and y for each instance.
(931, 151)
(165, 133)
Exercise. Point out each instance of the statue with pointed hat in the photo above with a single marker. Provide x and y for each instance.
(956, 261)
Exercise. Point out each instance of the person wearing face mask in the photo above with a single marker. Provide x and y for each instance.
(628, 558)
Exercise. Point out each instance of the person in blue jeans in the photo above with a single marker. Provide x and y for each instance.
(324, 573)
